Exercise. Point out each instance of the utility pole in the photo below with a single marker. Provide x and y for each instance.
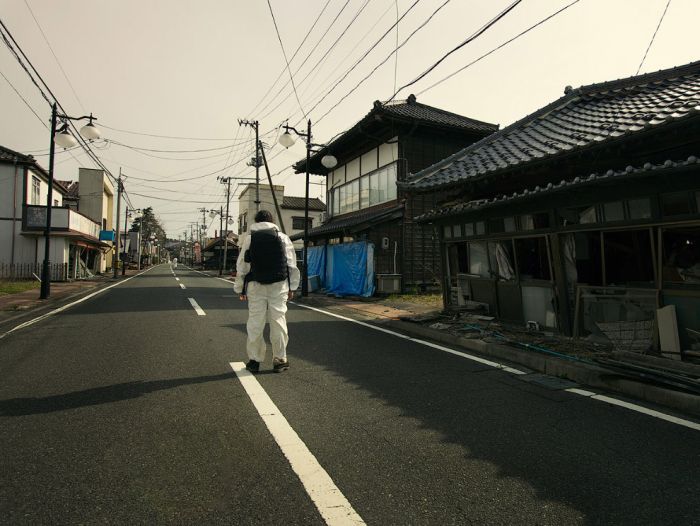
(256, 160)
(272, 189)
(227, 182)
(115, 256)
(221, 234)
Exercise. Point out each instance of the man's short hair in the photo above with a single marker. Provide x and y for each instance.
(263, 216)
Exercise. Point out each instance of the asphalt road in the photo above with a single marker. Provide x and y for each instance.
(124, 409)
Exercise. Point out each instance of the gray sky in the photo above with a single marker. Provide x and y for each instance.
(192, 69)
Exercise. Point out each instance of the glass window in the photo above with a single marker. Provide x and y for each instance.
(578, 215)
(533, 262)
(382, 185)
(509, 224)
(628, 258)
(447, 231)
(364, 192)
(354, 200)
(614, 211)
(675, 204)
(534, 221)
(457, 230)
(391, 181)
(639, 208)
(469, 229)
(496, 225)
(374, 188)
(480, 228)
(36, 187)
(478, 260)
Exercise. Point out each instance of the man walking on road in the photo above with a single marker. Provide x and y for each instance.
(266, 277)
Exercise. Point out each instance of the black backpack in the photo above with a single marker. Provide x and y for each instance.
(267, 257)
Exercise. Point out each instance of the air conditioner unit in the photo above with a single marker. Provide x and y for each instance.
(389, 283)
(324, 217)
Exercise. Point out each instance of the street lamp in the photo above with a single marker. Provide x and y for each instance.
(329, 162)
(65, 140)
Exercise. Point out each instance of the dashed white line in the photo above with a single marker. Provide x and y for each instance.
(196, 307)
(177, 279)
(581, 392)
(182, 286)
(326, 496)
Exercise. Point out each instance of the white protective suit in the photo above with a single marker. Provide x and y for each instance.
(266, 302)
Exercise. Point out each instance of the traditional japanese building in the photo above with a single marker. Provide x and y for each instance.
(583, 216)
(390, 142)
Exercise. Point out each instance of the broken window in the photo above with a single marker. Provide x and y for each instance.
(457, 254)
(676, 204)
(580, 215)
(532, 257)
(589, 262)
(614, 211)
(681, 255)
(534, 221)
(628, 258)
(496, 225)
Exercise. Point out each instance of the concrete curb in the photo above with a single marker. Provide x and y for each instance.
(581, 373)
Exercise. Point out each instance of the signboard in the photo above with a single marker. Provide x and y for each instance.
(106, 235)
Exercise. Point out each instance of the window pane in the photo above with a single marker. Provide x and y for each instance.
(509, 223)
(355, 195)
(533, 262)
(391, 181)
(578, 216)
(364, 192)
(457, 230)
(639, 208)
(628, 259)
(614, 211)
(496, 225)
(478, 260)
(480, 228)
(382, 185)
(469, 229)
(675, 204)
(447, 231)
(373, 189)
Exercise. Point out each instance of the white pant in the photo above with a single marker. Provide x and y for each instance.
(267, 303)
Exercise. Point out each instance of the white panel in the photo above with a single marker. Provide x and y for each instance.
(352, 169)
(337, 176)
(388, 153)
(369, 161)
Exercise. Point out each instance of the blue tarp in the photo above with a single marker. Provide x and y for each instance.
(344, 270)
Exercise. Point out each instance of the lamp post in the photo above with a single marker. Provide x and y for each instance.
(328, 161)
(66, 140)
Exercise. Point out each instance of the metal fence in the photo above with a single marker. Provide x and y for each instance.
(26, 271)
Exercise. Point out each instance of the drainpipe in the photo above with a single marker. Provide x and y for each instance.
(14, 220)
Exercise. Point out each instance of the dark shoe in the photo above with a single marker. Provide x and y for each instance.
(280, 365)
(253, 366)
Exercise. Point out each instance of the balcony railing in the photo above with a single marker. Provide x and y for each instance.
(62, 220)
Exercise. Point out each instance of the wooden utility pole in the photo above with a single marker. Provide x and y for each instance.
(115, 256)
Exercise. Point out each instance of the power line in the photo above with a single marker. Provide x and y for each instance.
(504, 44)
(291, 77)
(653, 37)
(24, 100)
(103, 125)
(473, 37)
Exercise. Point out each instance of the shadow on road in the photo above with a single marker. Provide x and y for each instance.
(98, 395)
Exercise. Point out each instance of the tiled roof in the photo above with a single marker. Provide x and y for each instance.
(298, 203)
(647, 169)
(342, 224)
(7, 155)
(72, 188)
(409, 111)
(582, 118)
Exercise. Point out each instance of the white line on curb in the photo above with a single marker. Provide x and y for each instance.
(65, 307)
(196, 307)
(182, 286)
(328, 499)
(581, 392)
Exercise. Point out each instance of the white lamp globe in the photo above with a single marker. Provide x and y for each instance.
(287, 139)
(90, 131)
(329, 161)
(64, 139)
(212, 214)
(230, 221)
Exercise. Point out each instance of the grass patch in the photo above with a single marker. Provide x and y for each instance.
(13, 287)
(432, 300)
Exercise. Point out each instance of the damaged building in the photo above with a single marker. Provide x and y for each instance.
(583, 217)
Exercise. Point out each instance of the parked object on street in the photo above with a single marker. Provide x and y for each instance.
(266, 277)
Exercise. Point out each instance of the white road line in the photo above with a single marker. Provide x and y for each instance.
(196, 307)
(182, 286)
(328, 499)
(177, 279)
(638, 408)
(581, 392)
(68, 306)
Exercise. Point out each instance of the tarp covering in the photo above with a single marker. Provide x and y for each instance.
(350, 269)
(317, 263)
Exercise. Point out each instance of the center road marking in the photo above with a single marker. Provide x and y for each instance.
(328, 499)
(182, 286)
(177, 279)
(196, 307)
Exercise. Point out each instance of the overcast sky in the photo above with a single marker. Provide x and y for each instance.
(181, 68)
